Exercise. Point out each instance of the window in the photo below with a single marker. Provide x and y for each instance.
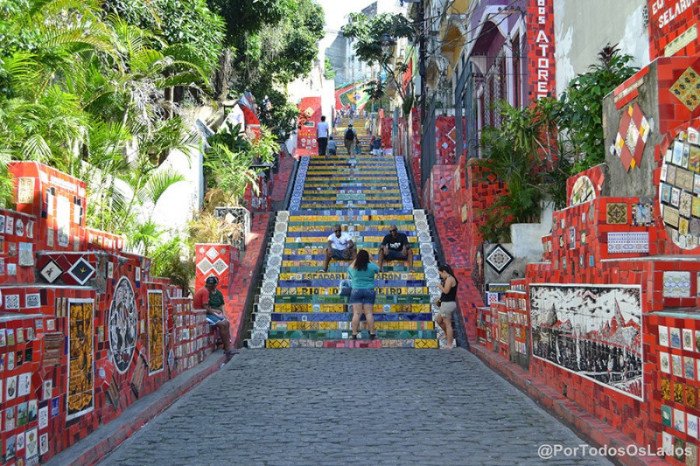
(491, 101)
(516, 71)
(502, 78)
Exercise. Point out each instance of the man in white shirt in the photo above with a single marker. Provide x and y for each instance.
(340, 247)
(322, 136)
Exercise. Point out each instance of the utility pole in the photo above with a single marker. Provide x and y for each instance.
(421, 62)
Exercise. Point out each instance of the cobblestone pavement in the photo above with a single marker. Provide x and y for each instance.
(350, 406)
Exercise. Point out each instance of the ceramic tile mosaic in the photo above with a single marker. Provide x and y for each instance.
(81, 271)
(628, 242)
(404, 187)
(678, 200)
(632, 137)
(299, 184)
(676, 284)
(642, 214)
(50, 272)
(583, 191)
(557, 309)
(499, 258)
(687, 88)
(298, 306)
(616, 213)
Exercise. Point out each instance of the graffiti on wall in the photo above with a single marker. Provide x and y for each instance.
(123, 318)
(80, 392)
(591, 330)
(156, 346)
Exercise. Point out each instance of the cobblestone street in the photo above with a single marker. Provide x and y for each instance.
(350, 406)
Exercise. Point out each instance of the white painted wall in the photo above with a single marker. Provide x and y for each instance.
(582, 28)
(527, 237)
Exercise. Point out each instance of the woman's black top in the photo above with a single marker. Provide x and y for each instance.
(451, 295)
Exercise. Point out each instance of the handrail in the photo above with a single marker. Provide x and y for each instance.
(290, 184)
(411, 184)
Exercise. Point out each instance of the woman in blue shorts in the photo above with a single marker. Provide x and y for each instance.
(362, 297)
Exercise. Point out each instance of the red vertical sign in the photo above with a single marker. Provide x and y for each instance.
(309, 116)
(540, 40)
(673, 28)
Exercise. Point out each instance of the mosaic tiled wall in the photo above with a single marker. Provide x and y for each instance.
(625, 252)
(84, 328)
(673, 28)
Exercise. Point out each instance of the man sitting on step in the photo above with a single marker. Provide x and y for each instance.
(212, 300)
(340, 247)
(395, 246)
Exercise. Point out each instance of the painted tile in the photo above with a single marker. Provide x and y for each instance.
(676, 284)
(686, 89)
(616, 213)
(583, 191)
(557, 310)
(628, 242)
(632, 136)
(663, 335)
(499, 258)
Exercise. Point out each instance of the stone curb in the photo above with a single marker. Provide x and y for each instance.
(593, 430)
(95, 453)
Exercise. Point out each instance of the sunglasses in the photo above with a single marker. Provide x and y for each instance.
(338, 231)
(393, 231)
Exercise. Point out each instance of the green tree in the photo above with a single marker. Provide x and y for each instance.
(370, 35)
(328, 71)
(244, 18)
(582, 106)
(275, 42)
(82, 87)
(191, 24)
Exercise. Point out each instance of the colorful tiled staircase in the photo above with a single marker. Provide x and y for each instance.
(363, 136)
(299, 306)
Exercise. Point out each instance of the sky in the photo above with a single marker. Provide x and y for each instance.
(337, 10)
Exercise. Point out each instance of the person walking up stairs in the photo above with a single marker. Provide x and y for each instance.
(350, 139)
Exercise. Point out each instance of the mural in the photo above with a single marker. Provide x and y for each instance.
(80, 396)
(583, 191)
(679, 193)
(593, 331)
(156, 347)
(123, 318)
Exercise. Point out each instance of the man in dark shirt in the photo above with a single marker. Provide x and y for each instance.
(395, 246)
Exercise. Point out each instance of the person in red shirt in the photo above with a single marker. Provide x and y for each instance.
(212, 300)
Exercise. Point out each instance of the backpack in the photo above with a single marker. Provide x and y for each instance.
(349, 134)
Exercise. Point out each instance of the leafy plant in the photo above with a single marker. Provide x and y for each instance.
(191, 23)
(170, 260)
(582, 106)
(229, 163)
(207, 228)
(524, 154)
(328, 71)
